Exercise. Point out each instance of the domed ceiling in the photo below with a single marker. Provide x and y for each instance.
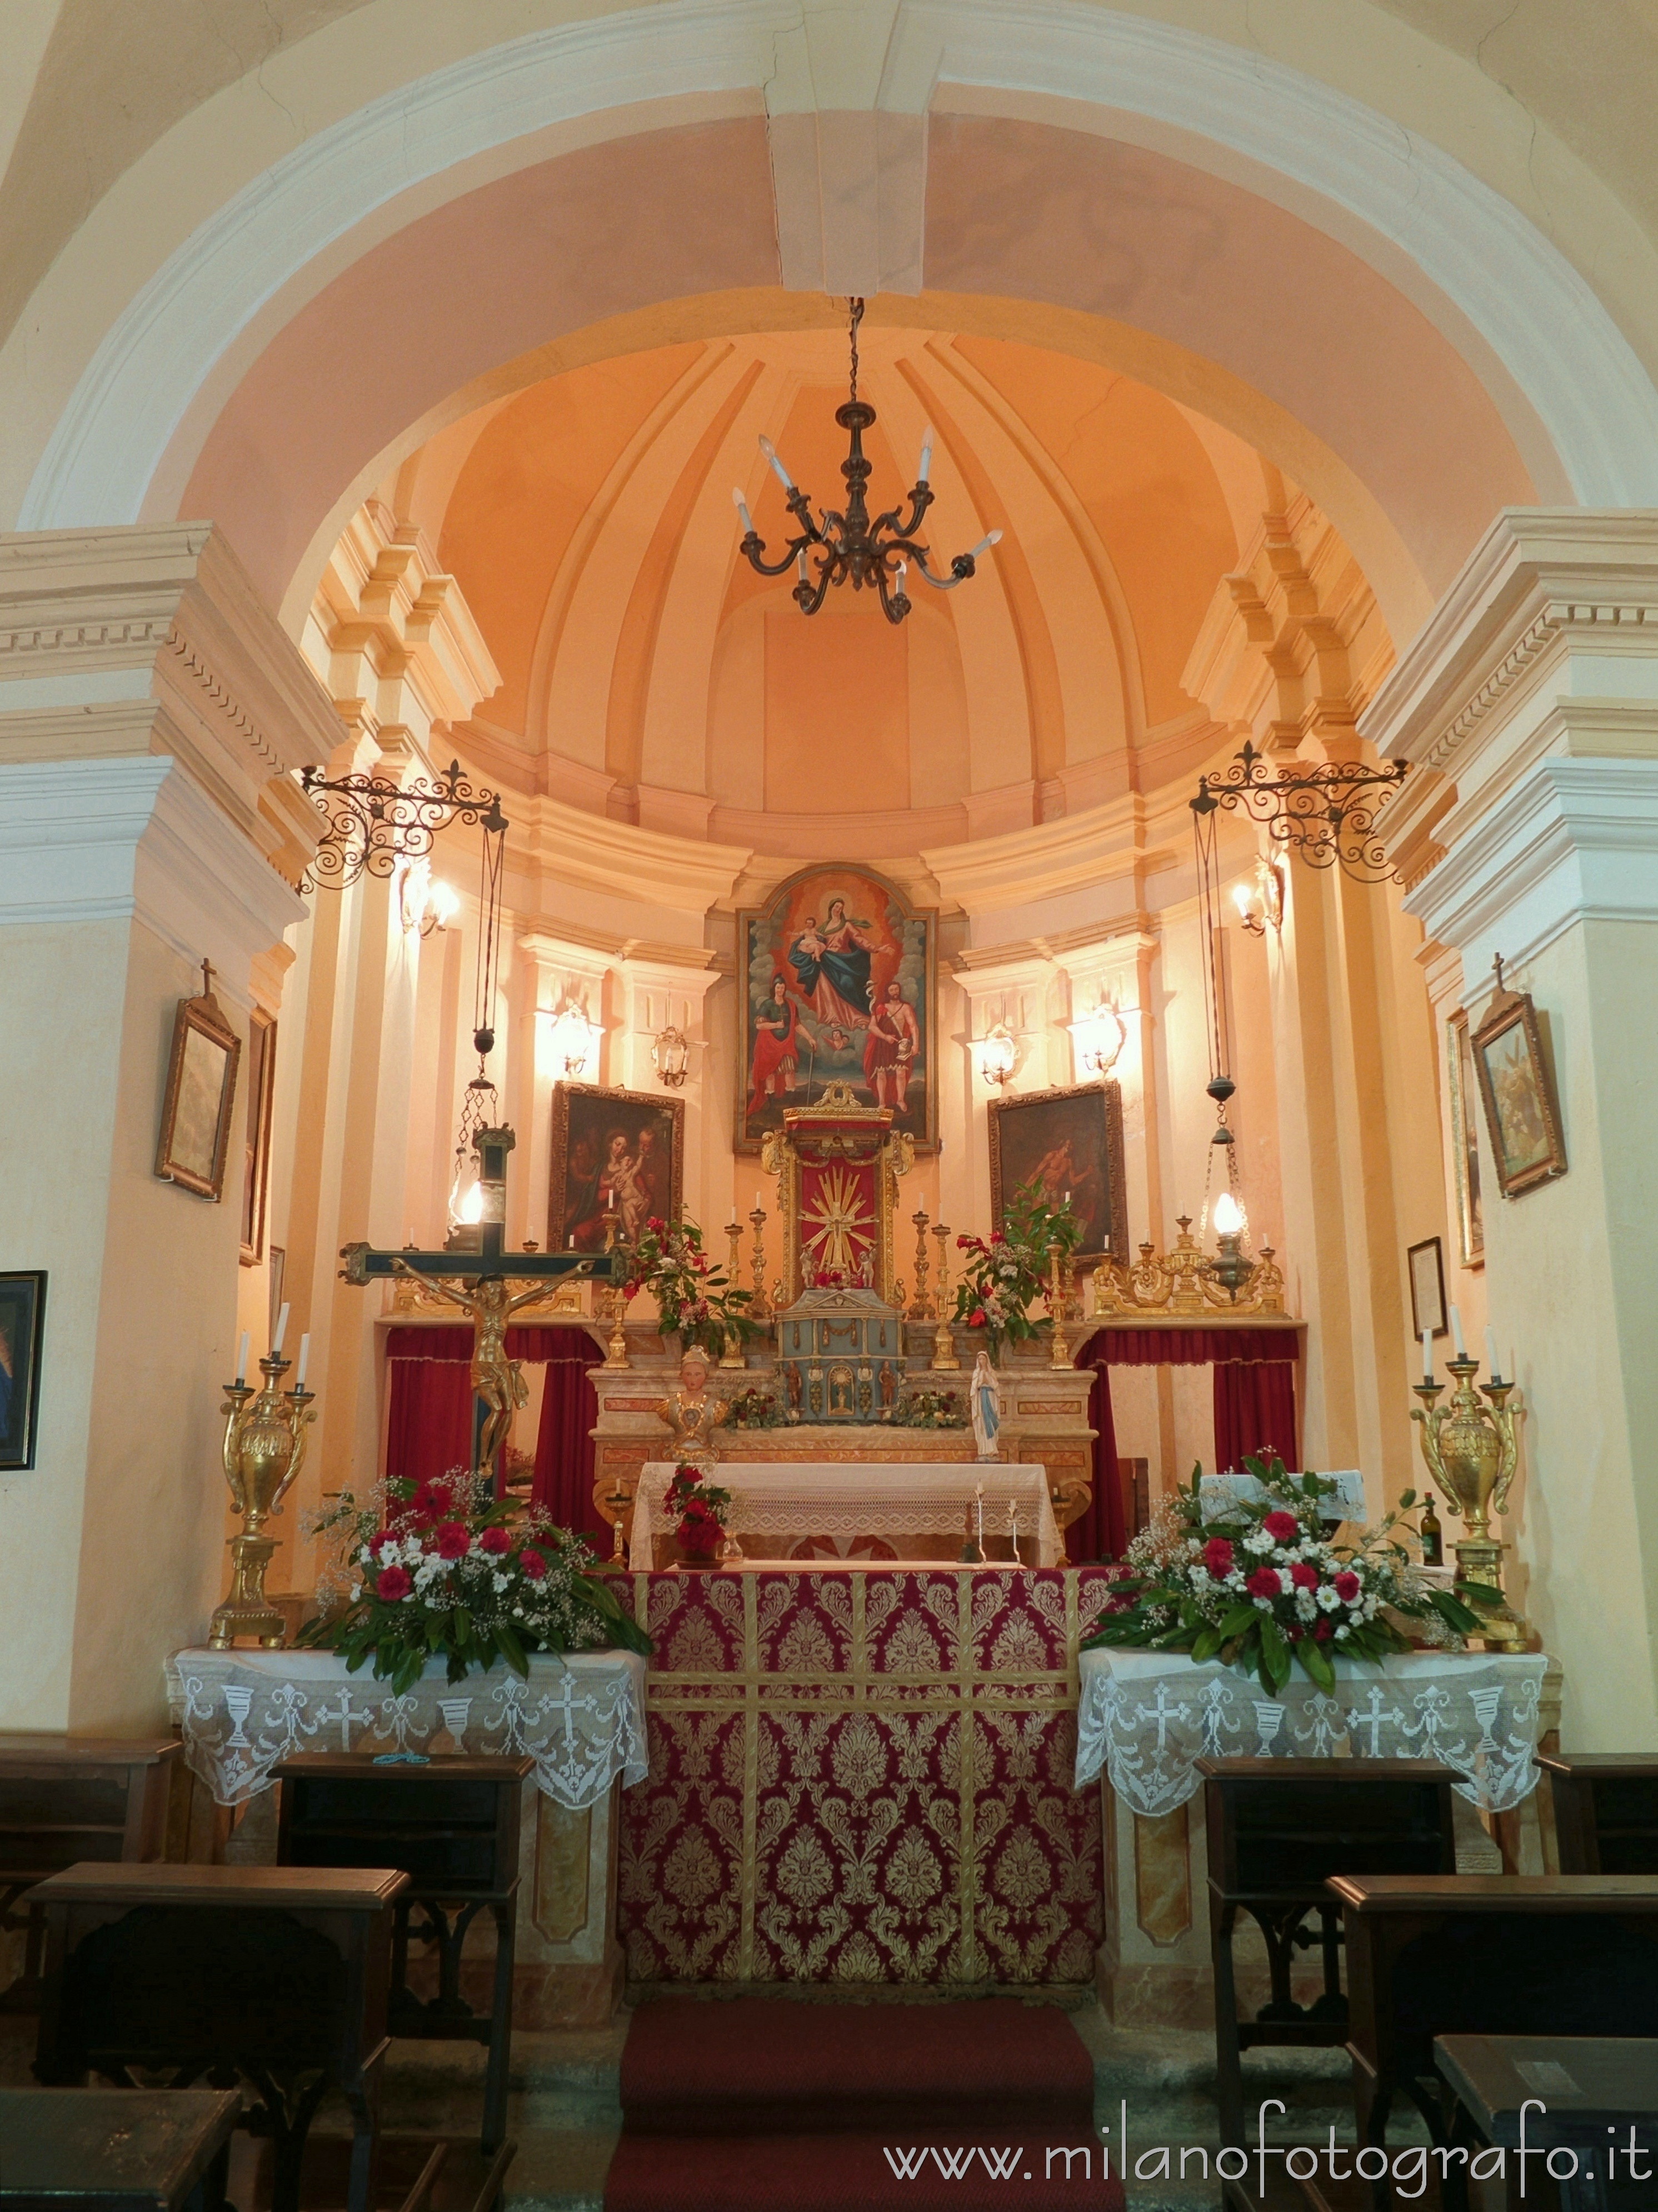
(649, 674)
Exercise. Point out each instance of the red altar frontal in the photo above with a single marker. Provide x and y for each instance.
(864, 1778)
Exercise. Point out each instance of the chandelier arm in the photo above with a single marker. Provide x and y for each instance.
(753, 546)
(809, 597)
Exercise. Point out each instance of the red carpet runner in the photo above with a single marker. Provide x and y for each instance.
(760, 2105)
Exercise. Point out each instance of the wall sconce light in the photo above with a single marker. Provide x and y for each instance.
(575, 1040)
(670, 1055)
(425, 903)
(999, 1053)
(1100, 1037)
(1261, 904)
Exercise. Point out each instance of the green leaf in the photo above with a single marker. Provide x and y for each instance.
(1313, 1657)
(1205, 1645)
(511, 1649)
(1274, 1652)
(1241, 1618)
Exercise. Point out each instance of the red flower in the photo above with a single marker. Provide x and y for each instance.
(1347, 1587)
(394, 1582)
(494, 1542)
(430, 1498)
(1303, 1575)
(976, 1318)
(377, 1543)
(1321, 1628)
(1217, 1557)
(1264, 1582)
(533, 1565)
(1283, 1528)
(452, 1542)
(1295, 1632)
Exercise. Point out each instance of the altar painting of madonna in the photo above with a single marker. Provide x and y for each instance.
(838, 971)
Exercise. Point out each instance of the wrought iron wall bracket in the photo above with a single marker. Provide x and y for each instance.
(1325, 812)
(374, 823)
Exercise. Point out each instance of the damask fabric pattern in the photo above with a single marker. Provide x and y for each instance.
(863, 1778)
(240, 1713)
(1146, 1717)
(780, 1503)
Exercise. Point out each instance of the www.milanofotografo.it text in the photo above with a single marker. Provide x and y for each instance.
(1410, 2167)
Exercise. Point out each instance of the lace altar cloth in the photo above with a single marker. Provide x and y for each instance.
(1146, 1717)
(581, 1719)
(791, 1502)
(864, 1779)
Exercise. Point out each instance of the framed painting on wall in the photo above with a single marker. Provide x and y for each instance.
(837, 985)
(1069, 1143)
(1517, 1090)
(23, 1333)
(201, 1091)
(256, 1133)
(1426, 1262)
(1461, 1084)
(615, 1152)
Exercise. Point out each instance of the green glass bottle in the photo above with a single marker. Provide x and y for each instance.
(1433, 1537)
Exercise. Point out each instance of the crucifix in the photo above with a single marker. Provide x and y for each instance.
(479, 1282)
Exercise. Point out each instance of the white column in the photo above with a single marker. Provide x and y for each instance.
(1530, 704)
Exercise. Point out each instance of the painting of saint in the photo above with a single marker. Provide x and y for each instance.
(1515, 1083)
(1069, 1144)
(617, 1157)
(839, 969)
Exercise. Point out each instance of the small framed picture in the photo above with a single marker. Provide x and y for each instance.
(1517, 1089)
(201, 1091)
(619, 1152)
(1461, 1086)
(256, 1133)
(1427, 1266)
(22, 1332)
(1069, 1144)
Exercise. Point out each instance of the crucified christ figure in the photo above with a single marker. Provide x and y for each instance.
(497, 1380)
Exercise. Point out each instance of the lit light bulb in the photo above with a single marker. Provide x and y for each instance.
(985, 545)
(1241, 900)
(1228, 1215)
(741, 506)
(471, 1206)
(773, 456)
(442, 903)
(926, 469)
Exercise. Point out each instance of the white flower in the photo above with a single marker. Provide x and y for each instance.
(1263, 1605)
(499, 1582)
(1306, 1608)
(1258, 1541)
(1342, 1631)
(1199, 1576)
(1328, 1599)
(357, 1592)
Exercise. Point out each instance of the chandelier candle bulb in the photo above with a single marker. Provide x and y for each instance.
(984, 544)
(1228, 1219)
(776, 460)
(281, 1331)
(926, 469)
(241, 1361)
(1456, 1333)
(743, 514)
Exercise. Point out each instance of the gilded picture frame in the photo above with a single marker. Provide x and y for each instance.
(1516, 1087)
(610, 1143)
(1068, 1139)
(197, 1107)
(1425, 1264)
(256, 1133)
(1460, 1085)
(23, 1343)
(836, 983)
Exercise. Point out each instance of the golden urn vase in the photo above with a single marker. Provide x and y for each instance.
(263, 1451)
(1469, 1450)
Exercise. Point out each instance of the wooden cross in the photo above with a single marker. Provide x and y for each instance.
(477, 1282)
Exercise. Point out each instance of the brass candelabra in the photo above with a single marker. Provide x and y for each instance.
(1470, 1451)
(615, 1348)
(760, 1305)
(945, 1361)
(732, 1356)
(263, 1451)
(1059, 1353)
(920, 1307)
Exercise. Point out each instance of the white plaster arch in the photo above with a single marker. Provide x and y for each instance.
(1540, 320)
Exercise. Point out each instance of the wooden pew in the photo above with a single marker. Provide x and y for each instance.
(1428, 1956)
(1600, 2102)
(1606, 1811)
(280, 1973)
(453, 1827)
(65, 1799)
(115, 2150)
(1278, 1828)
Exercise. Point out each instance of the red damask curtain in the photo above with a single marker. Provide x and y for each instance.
(564, 1443)
(429, 1418)
(1255, 1411)
(1102, 1531)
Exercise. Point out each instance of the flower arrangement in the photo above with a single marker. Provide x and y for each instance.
(1002, 1277)
(693, 1295)
(440, 1570)
(754, 1408)
(928, 1409)
(700, 1508)
(1265, 1589)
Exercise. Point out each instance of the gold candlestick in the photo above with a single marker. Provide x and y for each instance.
(618, 1501)
(616, 1349)
(732, 1355)
(1469, 1450)
(1060, 1356)
(921, 1306)
(760, 1305)
(944, 1361)
(263, 1451)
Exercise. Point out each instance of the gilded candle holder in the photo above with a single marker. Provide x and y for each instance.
(1469, 1450)
(263, 1451)
(1059, 1353)
(943, 1360)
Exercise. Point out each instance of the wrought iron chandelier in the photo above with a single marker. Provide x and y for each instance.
(848, 547)
(1326, 811)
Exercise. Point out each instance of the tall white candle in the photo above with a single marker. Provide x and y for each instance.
(241, 1359)
(1491, 1355)
(305, 1355)
(926, 469)
(281, 1331)
(1456, 1334)
(1427, 1355)
(760, 1201)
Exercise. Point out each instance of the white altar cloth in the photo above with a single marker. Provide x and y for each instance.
(240, 1713)
(892, 1499)
(1146, 1717)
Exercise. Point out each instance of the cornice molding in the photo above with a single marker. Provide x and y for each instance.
(561, 845)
